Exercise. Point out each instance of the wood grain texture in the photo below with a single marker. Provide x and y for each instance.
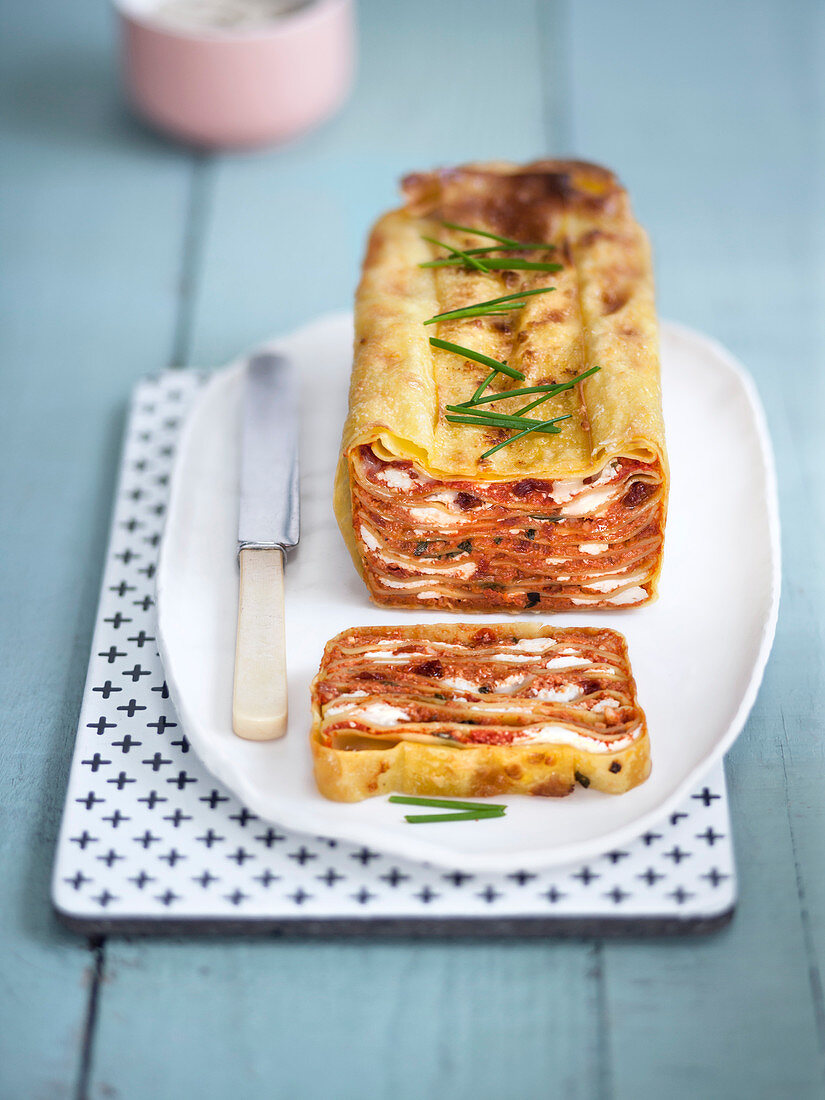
(92, 212)
(122, 253)
(727, 101)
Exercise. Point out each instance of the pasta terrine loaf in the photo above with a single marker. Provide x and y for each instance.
(462, 711)
(443, 499)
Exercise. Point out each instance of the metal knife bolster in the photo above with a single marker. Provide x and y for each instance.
(269, 514)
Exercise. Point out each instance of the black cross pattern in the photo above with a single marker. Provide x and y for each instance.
(156, 762)
(77, 880)
(302, 855)
(131, 708)
(210, 838)
(586, 876)
(364, 855)
(172, 857)
(111, 654)
(148, 839)
(521, 877)
(153, 797)
(205, 879)
(331, 876)
(162, 724)
(177, 817)
(617, 894)
(240, 856)
(676, 854)
(96, 762)
(266, 878)
(393, 876)
(489, 893)
(126, 743)
(458, 878)
(705, 796)
(106, 691)
(101, 725)
(650, 876)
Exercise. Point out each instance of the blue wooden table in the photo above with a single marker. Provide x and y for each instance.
(122, 254)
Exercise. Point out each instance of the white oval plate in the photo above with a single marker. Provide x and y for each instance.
(698, 653)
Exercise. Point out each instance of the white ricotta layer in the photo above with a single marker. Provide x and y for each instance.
(567, 662)
(563, 735)
(395, 478)
(375, 714)
(559, 695)
(593, 547)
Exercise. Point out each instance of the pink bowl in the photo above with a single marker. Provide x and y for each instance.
(225, 88)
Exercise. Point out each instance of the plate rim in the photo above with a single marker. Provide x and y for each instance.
(421, 850)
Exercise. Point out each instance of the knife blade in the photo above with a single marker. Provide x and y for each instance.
(268, 526)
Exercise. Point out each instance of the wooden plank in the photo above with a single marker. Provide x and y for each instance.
(284, 239)
(347, 1020)
(91, 211)
(711, 115)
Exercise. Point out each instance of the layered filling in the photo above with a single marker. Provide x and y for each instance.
(459, 688)
(485, 545)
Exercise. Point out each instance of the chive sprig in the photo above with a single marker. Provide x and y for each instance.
(468, 412)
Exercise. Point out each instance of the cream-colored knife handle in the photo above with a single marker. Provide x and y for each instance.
(259, 707)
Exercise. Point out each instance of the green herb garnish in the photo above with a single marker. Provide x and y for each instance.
(550, 389)
(500, 420)
(491, 307)
(483, 386)
(498, 263)
(445, 803)
(463, 257)
(541, 427)
(477, 357)
(470, 815)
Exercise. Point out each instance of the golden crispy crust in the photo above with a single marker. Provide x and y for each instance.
(481, 772)
(424, 670)
(601, 313)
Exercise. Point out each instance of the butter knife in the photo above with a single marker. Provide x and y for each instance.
(268, 526)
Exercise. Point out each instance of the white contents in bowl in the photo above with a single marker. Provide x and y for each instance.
(224, 14)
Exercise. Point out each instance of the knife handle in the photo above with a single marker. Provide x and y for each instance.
(259, 705)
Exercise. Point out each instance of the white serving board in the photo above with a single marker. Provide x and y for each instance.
(151, 842)
(698, 654)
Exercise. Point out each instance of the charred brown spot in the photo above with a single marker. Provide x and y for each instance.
(467, 501)
(514, 771)
(615, 767)
(638, 492)
(433, 669)
(483, 637)
(591, 236)
(371, 676)
(530, 485)
(552, 788)
(533, 598)
(613, 298)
